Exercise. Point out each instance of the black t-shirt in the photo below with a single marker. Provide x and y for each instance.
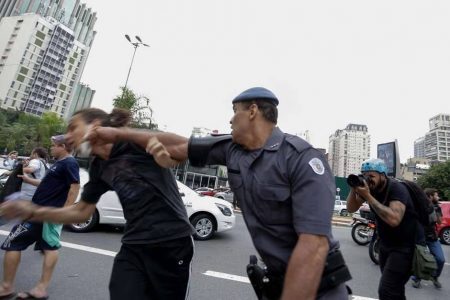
(404, 235)
(149, 195)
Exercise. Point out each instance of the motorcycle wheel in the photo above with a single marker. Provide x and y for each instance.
(374, 250)
(360, 240)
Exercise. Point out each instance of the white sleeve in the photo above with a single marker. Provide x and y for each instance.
(35, 164)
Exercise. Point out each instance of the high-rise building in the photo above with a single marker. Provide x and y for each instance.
(71, 13)
(348, 148)
(44, 45)
(437, 140)
(419, 147)
(82, 98)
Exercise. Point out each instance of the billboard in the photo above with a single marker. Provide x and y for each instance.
(389, 153)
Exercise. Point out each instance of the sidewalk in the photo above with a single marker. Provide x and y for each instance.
(336, 221)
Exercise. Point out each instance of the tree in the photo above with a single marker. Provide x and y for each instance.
(139, 107)
(438, 177)
(23, 132)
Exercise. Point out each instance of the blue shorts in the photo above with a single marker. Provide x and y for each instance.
(23, 235)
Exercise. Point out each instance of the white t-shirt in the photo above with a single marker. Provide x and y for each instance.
(39, 173)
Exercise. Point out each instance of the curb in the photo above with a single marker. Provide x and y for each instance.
(341, 222)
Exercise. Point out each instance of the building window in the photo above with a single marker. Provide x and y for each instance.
(40, 35)
(38, 42)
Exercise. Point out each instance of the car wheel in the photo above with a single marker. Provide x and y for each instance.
(86, 226)
(343, 213)
(204, 227)
(445, 236)
(221, 197)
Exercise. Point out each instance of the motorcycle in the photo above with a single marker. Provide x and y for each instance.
(362, 230)
(374, 248)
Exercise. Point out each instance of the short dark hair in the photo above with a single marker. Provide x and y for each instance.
(430, 191)
(268, 109)
(40, 152)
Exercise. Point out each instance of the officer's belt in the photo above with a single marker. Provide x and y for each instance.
(335, 273)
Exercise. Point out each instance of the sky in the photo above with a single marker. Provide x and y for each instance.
(385, 64)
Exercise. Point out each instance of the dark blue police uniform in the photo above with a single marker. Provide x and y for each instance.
(284, 189)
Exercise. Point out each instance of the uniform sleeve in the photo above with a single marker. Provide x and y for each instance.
(208, 151)
(313, 192)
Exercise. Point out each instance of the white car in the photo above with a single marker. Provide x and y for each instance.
(340, 207)
(207, 214)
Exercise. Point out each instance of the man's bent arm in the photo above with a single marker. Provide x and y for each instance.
(73, 194)
(176, 145)
(392, 214)
(354, 201)
(305, 268)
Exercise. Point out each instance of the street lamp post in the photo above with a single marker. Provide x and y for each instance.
(135, 45)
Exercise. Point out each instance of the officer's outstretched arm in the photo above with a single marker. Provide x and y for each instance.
(176, 145)
(303, 273)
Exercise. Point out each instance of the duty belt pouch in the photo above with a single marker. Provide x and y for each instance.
(335, 273)
(265, 285)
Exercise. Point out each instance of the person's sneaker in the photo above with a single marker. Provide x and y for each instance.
(436, 282)
(416, 283)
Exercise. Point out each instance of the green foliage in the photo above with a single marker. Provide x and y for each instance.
(438, 177)
(23, 132)
(139, 106)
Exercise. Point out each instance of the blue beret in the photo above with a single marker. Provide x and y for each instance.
(255, 94)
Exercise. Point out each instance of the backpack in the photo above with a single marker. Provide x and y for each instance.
(13, 183)
(420, 202)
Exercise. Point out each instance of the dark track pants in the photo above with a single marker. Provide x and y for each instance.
(153, 271)
(395, 265)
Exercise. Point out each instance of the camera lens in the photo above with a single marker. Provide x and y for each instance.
(355, 180)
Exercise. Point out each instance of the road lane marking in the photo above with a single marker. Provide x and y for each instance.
(78, 247)
(246, 280)
(227, 276)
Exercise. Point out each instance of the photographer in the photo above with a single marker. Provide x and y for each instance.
(391, 203)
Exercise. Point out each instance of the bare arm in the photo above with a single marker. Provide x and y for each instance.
(26, 210)
(305, 267)
(176, 145)
(392, 214)
(354, 201)
(73, 194)
(30, 180)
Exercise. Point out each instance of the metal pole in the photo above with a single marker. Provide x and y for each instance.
(132, 59)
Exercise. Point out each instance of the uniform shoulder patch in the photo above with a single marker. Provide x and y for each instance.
(299, 144)
(317, 166)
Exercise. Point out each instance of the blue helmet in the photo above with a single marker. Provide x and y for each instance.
(374, 164)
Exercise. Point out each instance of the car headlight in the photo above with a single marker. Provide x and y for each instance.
(224, 209)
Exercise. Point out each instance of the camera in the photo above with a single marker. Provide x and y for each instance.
(355, 180)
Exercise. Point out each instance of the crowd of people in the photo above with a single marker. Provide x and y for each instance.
(282, 184)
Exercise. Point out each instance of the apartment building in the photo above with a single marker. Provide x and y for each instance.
(348, 148)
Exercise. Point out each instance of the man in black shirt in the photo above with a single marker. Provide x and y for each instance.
(393, 208)
(154, 261)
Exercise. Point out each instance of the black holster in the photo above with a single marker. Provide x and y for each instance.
(270, 286)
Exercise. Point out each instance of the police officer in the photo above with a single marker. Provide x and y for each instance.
(284, 187)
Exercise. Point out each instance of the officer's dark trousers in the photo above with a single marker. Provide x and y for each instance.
(395, 265)
(156, 271)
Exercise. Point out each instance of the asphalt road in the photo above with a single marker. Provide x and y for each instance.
(218, 268)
